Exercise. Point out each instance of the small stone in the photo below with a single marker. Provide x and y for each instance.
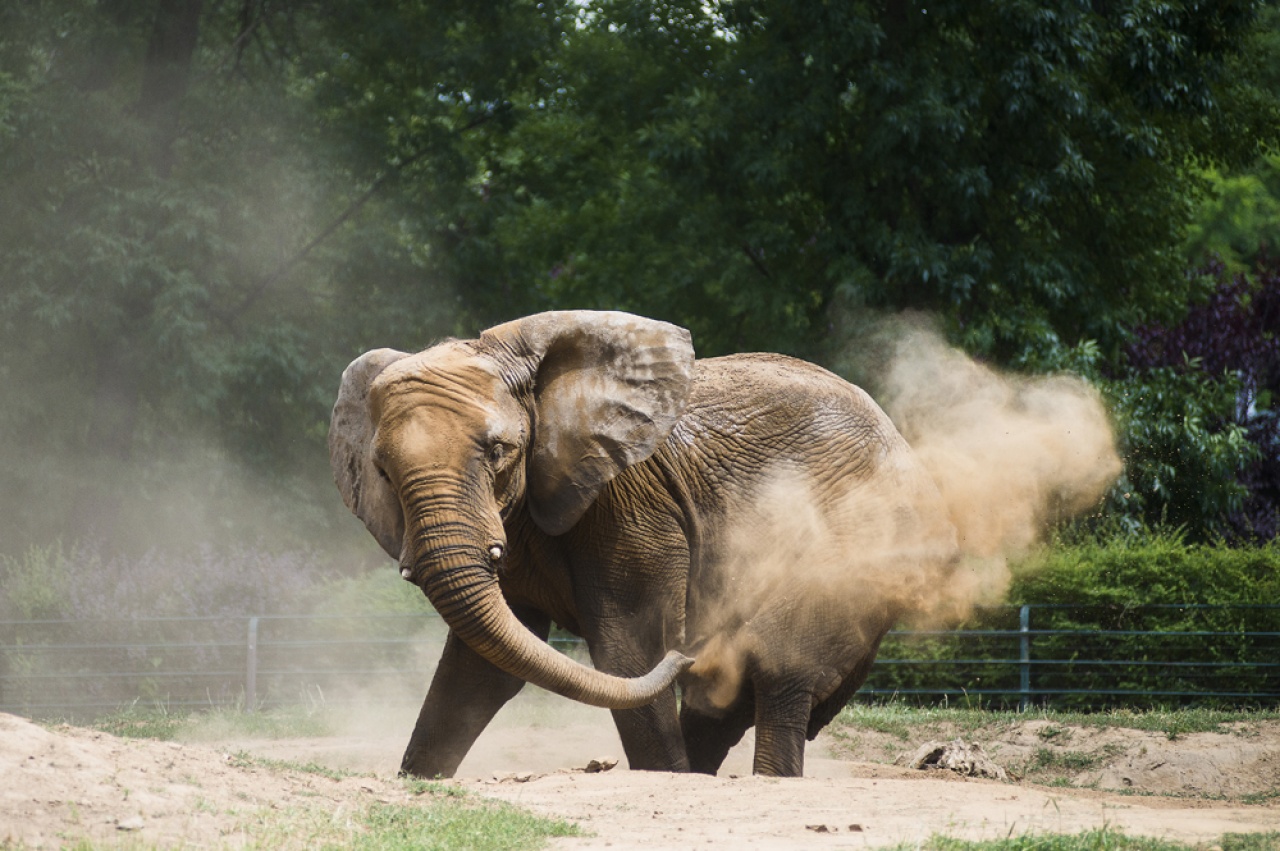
(818, 828)
(595, 766)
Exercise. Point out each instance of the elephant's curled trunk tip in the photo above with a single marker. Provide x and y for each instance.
(672, 665)
(681, 662)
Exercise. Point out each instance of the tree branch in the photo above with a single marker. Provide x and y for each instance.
(756, 261)
(288, 265)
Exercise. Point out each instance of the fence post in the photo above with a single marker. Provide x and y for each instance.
(251, 667)
(1024, 640)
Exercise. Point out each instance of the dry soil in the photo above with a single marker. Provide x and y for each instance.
(61, 784)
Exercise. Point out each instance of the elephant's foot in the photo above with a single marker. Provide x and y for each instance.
(426, 766)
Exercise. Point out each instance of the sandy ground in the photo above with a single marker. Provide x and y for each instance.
(66, 783)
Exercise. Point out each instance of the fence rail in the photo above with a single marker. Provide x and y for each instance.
(1013, 656)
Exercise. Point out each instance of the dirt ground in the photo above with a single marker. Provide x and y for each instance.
(66, 783)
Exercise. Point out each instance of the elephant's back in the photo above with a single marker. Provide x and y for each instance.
(754, 420)
(781, 400)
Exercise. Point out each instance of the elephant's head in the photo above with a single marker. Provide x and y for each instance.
(433, 450)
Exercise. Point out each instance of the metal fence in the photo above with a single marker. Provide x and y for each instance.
(1009, 656)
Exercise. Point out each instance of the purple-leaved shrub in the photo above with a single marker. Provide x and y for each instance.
(1235, 335)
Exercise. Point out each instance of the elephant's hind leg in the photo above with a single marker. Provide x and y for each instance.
(708, 739)
(782, 718)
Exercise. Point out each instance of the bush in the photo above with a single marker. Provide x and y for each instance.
(1143, 602)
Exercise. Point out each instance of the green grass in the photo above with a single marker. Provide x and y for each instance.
(156, 722)
(447, 823)
(241, 759)
(1104, 839)
(442, 818)
(434, 824)
(903, 721)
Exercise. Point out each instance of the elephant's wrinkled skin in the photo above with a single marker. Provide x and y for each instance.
(580, 468)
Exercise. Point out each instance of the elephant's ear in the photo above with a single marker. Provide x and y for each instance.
(368, 495)
(608, 388)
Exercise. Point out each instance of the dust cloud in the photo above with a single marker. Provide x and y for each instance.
(1010, 454)
(1000, 459)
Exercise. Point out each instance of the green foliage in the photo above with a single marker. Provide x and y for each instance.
(1239, 216)
(740, 167)
(1153, 569)
(1182, 448)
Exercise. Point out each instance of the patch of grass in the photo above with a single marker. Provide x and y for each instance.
(1174, 723)
(434, 824)
(242, 759)
(912, 722)
(1104, 839)
(433, 787)
(142, 724)
(1250, 842)
(1261, 797)
(447, 824)
(156, 722)
(1053, 731)
(905, 721)
(888, 719)
(1047, 758)
(285, 722)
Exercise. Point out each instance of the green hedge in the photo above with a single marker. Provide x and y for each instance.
(1104, 596)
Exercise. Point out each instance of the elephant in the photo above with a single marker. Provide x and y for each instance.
(582, 468)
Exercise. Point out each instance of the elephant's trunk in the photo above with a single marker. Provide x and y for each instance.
(453, 570)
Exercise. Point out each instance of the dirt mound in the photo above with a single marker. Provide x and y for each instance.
(68, 783)
(65, 783)
(1239, 761)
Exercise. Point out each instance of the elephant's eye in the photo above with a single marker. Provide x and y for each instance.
(382, 474)
(497, 453)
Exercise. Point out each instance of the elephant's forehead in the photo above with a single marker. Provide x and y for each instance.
(450, 374)
(454, 357)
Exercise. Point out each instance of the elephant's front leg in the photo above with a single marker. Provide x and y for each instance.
(650, 735)
(465, 694)
(782, 717)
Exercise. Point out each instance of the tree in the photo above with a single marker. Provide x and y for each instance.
(1020, 168)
